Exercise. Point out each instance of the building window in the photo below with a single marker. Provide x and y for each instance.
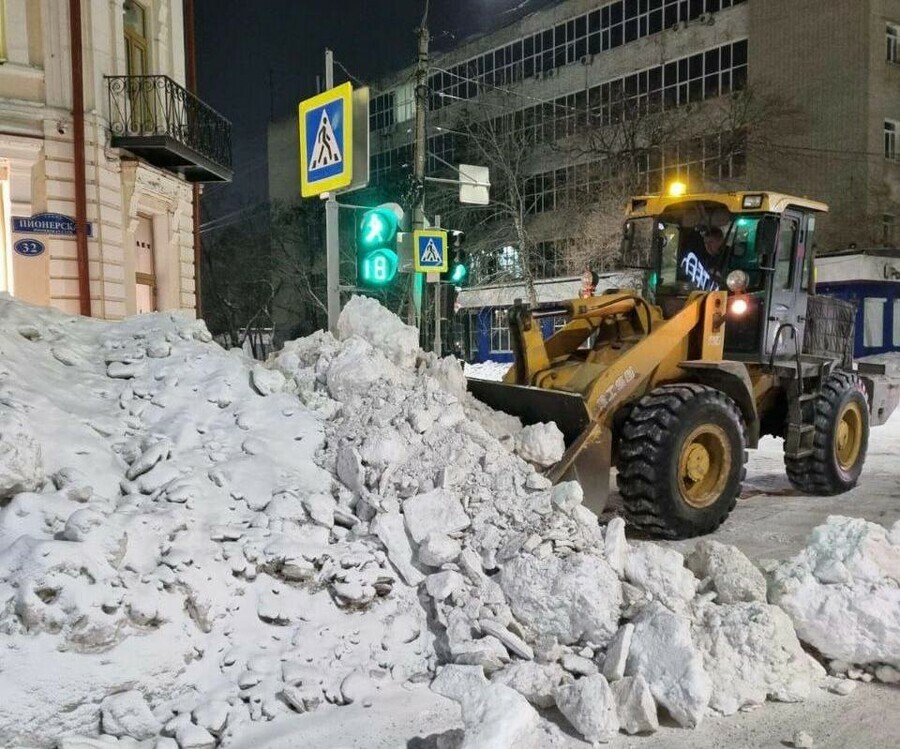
(500, 341)
(135, 38)
(2, 31)
(381, 111)
(896, 322)
(893, 43)
(890, 140)
(887, 229)
(873, 322)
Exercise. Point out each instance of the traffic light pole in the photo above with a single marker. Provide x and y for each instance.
(332, 252)
(421, 145)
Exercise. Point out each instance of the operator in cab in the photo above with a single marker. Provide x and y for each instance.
(702, 262)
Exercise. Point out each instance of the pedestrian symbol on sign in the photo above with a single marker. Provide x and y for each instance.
(326, 151)
(430, 255)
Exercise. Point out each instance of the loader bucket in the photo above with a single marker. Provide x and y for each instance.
(587, 456)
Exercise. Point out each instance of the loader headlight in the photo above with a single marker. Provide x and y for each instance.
(737, 281)
(738, 307)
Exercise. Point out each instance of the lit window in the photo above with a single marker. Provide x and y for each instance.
(500, 342)
(893, 43)
(890, 140)
(873, 322)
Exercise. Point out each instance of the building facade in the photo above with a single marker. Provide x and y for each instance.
(102, 148)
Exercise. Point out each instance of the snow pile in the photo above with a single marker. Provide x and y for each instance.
(843, 592)
(487, 370)
(208, 543)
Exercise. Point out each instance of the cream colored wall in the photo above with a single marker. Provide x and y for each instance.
(35, 106)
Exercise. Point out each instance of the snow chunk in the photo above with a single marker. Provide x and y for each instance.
(842, 591)
(266, 381)
(664, 654)
(635, 706)
(437, 511)
(536, 682)
(617, 653)
(21, 464)
(495, 716)
(366, 318)
(729, 572)
(751, 652)
(575, 598)
(660, 572)
(439, 549)
(590, 707)
(541, 443)
(127, 714)
(615, 545)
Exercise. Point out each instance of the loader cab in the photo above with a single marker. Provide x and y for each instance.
(764, 262)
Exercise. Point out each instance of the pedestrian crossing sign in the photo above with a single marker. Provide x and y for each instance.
(431, 251)
(326, 141)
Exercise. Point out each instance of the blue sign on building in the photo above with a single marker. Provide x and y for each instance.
(29, 247)
(47, 223)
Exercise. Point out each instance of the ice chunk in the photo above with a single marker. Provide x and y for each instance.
(537, 682)
(437, 511)
(542, 444)
(590, 707)
(127, 714)
(661, 572)
(21, 463)
(635, 706)
(732, 575)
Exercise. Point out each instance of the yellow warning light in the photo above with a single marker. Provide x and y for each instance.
(677, 189)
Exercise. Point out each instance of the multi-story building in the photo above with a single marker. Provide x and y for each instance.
(813, 88)
(102, 149)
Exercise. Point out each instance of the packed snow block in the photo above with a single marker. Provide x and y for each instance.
(495, 716)
(566, 496)
(366, 318)
(127, 714)
(751, 653)
(663, 652)
(439, 549)
(349, 468)
(536, 682)
(732, 576)
(572, 599)
(842, 592)
(437, 511)
(615, 545)
(635, 706)
(266, 381)
(542, 444)
(590, 707)
(355, 368)
(389, 528)
(21, 463)
(661, 572)
(617, 653)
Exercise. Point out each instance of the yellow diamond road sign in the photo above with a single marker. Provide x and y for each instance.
(326, 141)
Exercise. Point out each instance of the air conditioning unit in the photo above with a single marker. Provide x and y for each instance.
(587, 59)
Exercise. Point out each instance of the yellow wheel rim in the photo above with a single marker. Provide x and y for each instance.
(704, 465)
(848, 436)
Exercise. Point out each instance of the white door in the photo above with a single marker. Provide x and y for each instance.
(145, 266)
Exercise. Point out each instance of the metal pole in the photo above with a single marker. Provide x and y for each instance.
(332, 251)
(81, 243)
(437, 301)
(421, 144)
(191, 63)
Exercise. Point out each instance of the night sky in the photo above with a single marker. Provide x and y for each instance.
(258, 58)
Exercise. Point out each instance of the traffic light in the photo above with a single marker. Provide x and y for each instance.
(459, 265)
(377, 259)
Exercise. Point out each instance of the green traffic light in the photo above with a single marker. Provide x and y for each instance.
(378, 268)
(459, 273)
(377, 228)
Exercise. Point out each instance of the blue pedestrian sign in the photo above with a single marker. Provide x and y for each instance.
(430, 251)
(326, 141)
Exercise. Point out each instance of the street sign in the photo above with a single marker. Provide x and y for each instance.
(474, 184)
(326, 141)
(47, 223)
(430, 254)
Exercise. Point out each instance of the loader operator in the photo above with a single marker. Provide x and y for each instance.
(701, 265)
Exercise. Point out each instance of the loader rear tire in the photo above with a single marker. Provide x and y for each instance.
(840, 440)
(682, 458)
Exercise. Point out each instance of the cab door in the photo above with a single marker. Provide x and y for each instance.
(787, 299)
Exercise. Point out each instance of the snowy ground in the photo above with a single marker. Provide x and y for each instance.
(199, 551)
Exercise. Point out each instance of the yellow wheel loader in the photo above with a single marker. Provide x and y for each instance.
(673, 382)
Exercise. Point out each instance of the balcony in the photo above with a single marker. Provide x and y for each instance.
(167, 126)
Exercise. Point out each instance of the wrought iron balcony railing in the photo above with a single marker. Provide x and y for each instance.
(164, 123)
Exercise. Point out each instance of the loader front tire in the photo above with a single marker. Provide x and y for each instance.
(840, 440)
(681, 461)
